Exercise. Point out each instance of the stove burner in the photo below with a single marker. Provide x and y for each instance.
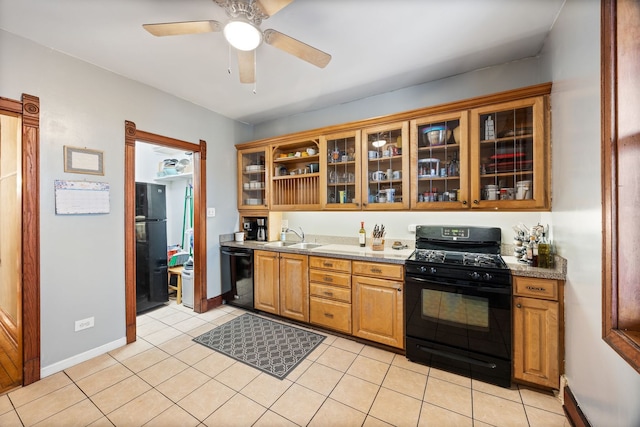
(427, 255)
(482, 260)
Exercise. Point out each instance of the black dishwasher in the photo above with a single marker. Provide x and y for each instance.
(236, 269)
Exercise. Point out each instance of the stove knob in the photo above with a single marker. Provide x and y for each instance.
(423, 269)
(475, 275)
(433, 270)
(487, 276)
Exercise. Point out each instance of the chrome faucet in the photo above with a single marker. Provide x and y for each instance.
(300, 235)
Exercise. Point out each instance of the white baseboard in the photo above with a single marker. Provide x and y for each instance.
(82, 357)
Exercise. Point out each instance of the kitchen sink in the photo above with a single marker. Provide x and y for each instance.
(305, 245)
(279, 244)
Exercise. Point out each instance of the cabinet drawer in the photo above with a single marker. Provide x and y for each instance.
(330, 278)
(334, 264)
(374, 269)
(536, 288)
(331, 314)
(332, 292)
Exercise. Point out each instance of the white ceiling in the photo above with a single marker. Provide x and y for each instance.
(376, 45)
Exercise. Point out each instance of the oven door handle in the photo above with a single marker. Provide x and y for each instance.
(494, 290)
(457, 357)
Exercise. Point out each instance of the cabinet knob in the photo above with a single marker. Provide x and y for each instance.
(475, 202)
(464, 202)
(519, 305)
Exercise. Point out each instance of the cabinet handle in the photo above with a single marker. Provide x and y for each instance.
(327, 279)
(475, 202)
(327, 264)
(398, 289)
(376, 270)
(536, 288)
(329, 315)
(519, 305)
(464, 202)
(329, 294)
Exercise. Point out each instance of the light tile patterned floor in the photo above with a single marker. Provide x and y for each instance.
(165, 379)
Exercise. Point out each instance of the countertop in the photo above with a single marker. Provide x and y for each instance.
(394, 256)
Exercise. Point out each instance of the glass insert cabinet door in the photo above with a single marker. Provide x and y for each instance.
(340, 158)
(508, 156)
(252, 178)
(385, 159)
(439, 167)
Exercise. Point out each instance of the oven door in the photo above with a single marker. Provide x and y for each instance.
(461, 327)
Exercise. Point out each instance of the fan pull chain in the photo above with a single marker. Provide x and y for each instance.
(229, 59)
(255, 73)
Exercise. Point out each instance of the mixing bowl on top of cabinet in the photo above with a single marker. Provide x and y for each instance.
(330, 293)
(281, 284)
(378, 313)
(538, 330)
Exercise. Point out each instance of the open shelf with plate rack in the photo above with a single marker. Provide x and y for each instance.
(295, 184)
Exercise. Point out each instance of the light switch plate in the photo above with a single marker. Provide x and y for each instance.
(412, 228)
(211, 212)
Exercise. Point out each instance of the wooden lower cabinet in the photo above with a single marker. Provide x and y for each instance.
(378, 310)
(294, 286)
(537, 331)
(281, 284)
(266, 289)
(330, 290)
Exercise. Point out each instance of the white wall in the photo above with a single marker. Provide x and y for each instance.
(605, 386)
(82, 256)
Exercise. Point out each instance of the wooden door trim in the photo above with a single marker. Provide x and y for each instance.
(29, 109)
(200, 304)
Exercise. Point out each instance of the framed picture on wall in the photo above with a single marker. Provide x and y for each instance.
(83, 160)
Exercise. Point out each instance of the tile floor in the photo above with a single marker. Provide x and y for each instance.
(165, 379)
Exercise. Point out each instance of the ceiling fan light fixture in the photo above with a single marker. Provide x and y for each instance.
(242, 35)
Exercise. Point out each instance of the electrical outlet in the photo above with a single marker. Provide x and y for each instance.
(412, 228)
(211, 212)
(84, 323)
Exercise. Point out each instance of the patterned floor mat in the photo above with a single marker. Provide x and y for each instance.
(272, 347)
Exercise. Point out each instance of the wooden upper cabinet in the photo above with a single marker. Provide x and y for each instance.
(490, 152)
(510, 156)
(439, 161)
(385, 164)
(253, 178)
(341, 166)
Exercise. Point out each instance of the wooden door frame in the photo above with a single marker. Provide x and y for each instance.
(28, 108)
(132, 135)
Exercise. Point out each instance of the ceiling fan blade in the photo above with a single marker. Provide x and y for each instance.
(271, 7)
(297, 48)
(247, 66)
(180, 28)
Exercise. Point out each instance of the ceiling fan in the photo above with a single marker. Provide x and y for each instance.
(243, 32)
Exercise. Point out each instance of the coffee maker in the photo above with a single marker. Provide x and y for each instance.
(261, 235)
(255, 228)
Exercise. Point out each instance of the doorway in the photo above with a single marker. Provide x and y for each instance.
(133, 135)
(19, 242)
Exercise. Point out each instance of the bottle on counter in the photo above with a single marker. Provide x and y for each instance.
(543, 252)
(362, 235)
(534, 260)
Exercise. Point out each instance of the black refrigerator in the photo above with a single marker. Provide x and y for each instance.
(151, 246)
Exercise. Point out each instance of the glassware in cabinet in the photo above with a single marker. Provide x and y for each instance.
(341, 166)
(252, 178)
(438, 161)
(385, 153)
(509, 156)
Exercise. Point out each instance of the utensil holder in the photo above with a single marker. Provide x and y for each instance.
(377, 244)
